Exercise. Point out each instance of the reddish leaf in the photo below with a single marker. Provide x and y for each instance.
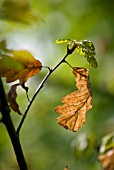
(75, 105)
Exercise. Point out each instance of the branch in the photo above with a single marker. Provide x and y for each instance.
(69, 51)
(7, 121)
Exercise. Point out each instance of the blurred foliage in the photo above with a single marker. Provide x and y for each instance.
(106, 155)
(46, 145)
(84, 145)
(17, 11)
(107, 143)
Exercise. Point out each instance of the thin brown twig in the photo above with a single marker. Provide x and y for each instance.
(69, 51)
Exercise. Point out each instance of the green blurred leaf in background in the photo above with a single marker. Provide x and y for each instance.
(17, 11)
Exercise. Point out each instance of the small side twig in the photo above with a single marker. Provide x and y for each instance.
(69, 51)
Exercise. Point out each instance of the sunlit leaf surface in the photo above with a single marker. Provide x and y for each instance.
(61, 41)
(87, 49)
(75, 105)
(19, 65)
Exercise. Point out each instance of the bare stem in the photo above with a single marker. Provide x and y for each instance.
(69, 51)
(7, 121)
(68, 64)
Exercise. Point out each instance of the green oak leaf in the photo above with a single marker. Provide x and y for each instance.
(84, 48)
(87, 49)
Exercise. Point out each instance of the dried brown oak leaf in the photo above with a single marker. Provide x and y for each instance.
(11, 97)
(75, 105)
(20, 65)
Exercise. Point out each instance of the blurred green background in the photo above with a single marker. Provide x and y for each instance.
(34, 26)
